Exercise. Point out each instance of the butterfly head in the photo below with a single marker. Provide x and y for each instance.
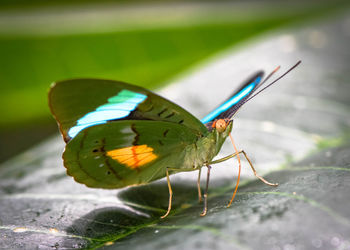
(222, 125)
(221, 129)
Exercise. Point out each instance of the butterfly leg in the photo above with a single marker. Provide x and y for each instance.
(239, 169)
(170, 195)
(169, 187)
(199, 186)
(225, 158)
(239, 172)
(205, 208)
(250, 163)
(255, 173)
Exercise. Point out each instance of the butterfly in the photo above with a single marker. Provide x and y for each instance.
(118, 134)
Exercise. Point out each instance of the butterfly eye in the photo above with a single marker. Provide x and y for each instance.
(220, 125)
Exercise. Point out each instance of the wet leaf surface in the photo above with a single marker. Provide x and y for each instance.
(41, 207)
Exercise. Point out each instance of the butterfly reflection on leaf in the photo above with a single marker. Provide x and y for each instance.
(119, 135)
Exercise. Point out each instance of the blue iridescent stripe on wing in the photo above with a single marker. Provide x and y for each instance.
(244, 92)
(118, 107)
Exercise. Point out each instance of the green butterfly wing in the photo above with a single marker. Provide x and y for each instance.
(123, 153)
(80, 103)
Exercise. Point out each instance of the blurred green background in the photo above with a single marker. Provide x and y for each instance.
(141, 42)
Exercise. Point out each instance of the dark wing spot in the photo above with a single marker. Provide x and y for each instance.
(160, 142)
(171, 114)
(180, 122)
(108, 172)
(161, 112)
(111, 169)
(137, 135)
(165, 132)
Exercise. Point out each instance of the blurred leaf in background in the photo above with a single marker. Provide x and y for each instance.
(140, 42)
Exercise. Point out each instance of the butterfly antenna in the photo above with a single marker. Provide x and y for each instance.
(268, 77)
(289, 70)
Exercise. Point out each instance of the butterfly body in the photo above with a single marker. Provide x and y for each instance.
(120, 135)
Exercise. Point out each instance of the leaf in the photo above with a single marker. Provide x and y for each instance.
(65, 214)
(41, 207)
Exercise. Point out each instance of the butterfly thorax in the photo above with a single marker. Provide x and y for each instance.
(205, 148)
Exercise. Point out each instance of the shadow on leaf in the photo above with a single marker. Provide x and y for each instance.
(143, 206)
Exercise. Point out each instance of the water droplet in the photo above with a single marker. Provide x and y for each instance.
(97, 157)
(157, 231)
(101, 165)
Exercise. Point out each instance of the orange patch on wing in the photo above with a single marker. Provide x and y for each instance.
(133, 157)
